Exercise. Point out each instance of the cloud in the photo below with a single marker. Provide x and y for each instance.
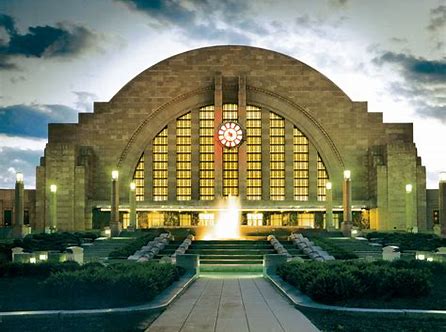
(63, 40)
(421, 85)
(85, 101)
(226, 20)
(416, 68)
(437, 19)
(32, 120)
(14, 160)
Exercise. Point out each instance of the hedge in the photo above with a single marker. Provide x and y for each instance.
(408, 241)
(329, 282)
(54, 241)
(134, 245)
(40, 270)
(135, 282)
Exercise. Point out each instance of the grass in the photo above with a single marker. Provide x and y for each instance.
(333, 321)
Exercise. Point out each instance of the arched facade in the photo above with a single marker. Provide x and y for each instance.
(160, 131)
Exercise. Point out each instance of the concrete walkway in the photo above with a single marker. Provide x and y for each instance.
(227, 305)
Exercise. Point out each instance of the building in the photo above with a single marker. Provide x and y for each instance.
(233, 121)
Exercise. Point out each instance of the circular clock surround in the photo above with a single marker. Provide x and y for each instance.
(230, 134)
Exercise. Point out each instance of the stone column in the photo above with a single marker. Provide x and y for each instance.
(19, 206)
(218, 148)
(329, 207)
(115, 226)
(409, 209)
(53, 209)
(242, 154)
(347, 204)
(132, 205)
(442, 203)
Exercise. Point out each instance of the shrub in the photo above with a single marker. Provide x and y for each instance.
(408, 241)
(135, 282)
(333, 281)
(133, 246)
(54, 241)
(40, 270)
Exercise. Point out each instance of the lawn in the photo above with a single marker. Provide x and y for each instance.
(333, 321)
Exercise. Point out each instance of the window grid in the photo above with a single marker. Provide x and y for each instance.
(322, 179)
(138, 179)
(230, 156)
(301, 166)
(254, 153)
(207, 175)
(160, 166)
(277, 157)
(184, 155)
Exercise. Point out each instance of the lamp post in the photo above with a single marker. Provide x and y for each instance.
(329, 207)
(19, 206)
(442, 203)
(347, 204)
(132, 203)
(53, 209)
(114, 218)
(410, 227)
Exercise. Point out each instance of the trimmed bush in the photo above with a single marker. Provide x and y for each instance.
(55, 241)
(408, 241)
(129, 282)
(40, 270)
(329, 282)
(134, 245)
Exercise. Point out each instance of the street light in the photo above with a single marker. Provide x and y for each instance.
(442, 176)
(347, 174)
(409, 188)
(328, 185)
(53, 188)
(19, 177)
(132, 186)
(115, 174)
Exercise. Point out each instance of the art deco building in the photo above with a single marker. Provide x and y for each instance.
(239, 121)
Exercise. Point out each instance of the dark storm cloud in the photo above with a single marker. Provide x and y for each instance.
(423, 83)
(413, 68)
(32, 120)
(42, 41)
(202, 19)
(437, 19)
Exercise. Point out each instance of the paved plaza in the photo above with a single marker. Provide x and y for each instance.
(235, 304)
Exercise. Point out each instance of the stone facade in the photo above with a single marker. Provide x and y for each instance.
(382, 157)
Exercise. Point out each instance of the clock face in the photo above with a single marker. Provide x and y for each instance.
(230, 134)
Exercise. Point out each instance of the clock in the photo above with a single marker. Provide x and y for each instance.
(230, 134)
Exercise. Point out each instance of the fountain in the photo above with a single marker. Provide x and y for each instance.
(227, 225)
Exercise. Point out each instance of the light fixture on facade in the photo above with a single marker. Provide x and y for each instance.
(53, 188)
(132, 186)
(347, 174)
(409, 188)
(442, 176)
(115, 174)
(328, 185)
(19, 177)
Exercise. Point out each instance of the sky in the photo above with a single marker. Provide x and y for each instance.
(58, 56)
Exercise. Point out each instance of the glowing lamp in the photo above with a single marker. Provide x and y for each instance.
(33, 260)
(409, 188)
(43, 257)
(328, 185)
(347, 174)
(443, 177)
(132, 186)
(53, 188)
(19, 177)
(115, 175)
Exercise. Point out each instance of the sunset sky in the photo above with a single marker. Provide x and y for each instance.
(58, 56)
